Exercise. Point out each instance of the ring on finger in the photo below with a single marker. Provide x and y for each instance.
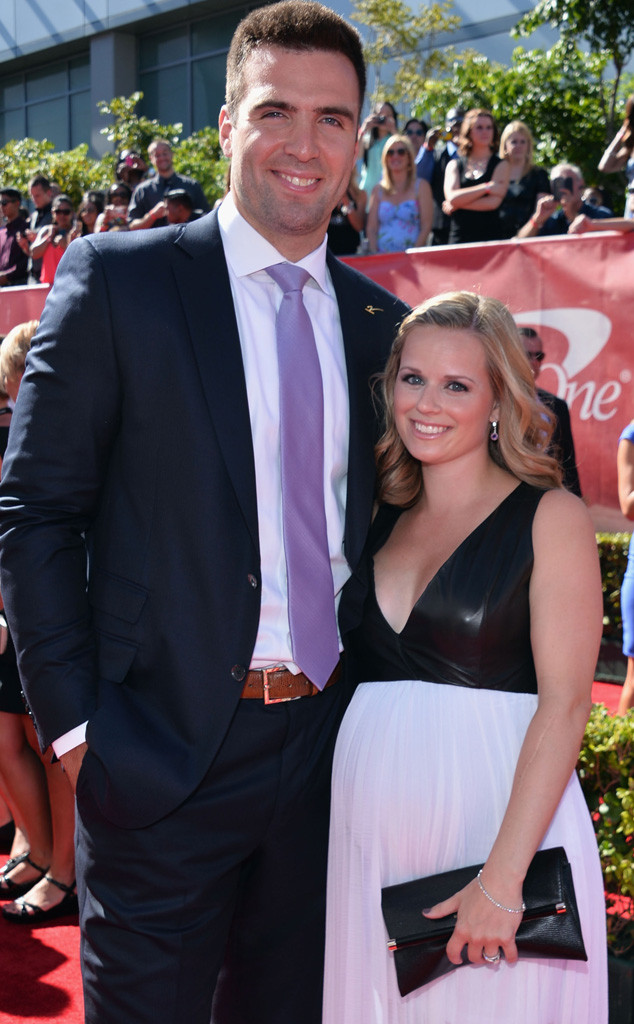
(492, 959)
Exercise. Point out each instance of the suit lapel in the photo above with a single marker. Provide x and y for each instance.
(202, 279)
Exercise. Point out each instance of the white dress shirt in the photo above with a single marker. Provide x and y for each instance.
(256, 298)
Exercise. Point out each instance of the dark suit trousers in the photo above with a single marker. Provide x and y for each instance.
(232, 883)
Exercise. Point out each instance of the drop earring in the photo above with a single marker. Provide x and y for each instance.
(493, 436)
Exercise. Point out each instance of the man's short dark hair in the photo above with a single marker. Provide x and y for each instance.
(180, 196)
(293, 25)
(41, 180)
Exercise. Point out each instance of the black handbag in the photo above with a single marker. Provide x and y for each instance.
(550, 925)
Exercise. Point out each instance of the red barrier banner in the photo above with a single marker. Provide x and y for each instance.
(17, 305)
(576, 291)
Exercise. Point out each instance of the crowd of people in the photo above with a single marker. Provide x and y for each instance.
(32, 244)
(224, 615)
(479, 186)
(484, 185)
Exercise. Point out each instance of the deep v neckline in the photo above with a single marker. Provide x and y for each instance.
(441, 568)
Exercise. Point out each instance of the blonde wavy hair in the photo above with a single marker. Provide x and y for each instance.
(523, 129)
(14, 349)
(525, 425)
(386, 177)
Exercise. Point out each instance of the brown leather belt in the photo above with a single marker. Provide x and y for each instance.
(275, 685)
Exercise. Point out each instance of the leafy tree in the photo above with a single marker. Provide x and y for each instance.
(406, 39)
(198, 155)
(73, 169)
(561, 94)
(130, 130)
(606, 25)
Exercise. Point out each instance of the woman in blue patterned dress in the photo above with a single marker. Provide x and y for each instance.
(625, 470)
(401, 205)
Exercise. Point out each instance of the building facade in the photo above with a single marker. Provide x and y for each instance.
(57, 60)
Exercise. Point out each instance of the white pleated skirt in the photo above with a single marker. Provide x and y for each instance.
(421, 780)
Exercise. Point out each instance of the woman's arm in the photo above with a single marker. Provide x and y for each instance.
(566, 611)
(487, 196)
(425, 212)
(41, 243)
(616, 155)
(372, 222)
(625, 475)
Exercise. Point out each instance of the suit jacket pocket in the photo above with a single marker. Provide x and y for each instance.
(117, 604)
(116, 596)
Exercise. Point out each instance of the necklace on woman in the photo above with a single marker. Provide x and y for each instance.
(476, 168)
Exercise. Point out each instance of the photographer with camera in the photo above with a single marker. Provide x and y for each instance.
(556, 214)
(373, 134)
(53, 239)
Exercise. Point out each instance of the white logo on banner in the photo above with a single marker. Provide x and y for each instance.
(587, 332)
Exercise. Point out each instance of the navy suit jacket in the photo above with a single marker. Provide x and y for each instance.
(128, 515)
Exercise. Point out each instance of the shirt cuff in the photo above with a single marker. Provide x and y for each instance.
(70, 739)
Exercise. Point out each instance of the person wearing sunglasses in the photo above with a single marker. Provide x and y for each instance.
(13, 261)
(562, 445)
(53, 239)
(416, 131)
(400, 212)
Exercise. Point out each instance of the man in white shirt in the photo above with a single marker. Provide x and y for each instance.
(148, 463)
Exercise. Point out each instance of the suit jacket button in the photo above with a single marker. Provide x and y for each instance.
(252, 580)
(238, 672)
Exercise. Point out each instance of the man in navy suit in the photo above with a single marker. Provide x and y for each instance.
(143, 556)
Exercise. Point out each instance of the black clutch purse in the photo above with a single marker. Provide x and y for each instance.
(550, 925)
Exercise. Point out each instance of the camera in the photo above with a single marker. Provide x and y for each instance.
(380, 119)
(562, 185)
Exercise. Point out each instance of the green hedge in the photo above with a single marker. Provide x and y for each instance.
(606, 772)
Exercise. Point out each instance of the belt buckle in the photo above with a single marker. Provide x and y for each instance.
(267, 698)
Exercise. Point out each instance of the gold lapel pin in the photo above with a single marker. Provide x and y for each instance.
(373, 309)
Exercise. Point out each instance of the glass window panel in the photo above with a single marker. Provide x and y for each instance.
(11, 126)
(12, 92)
(209, 91)
(48, 82)
(165, 95)
(79, 118)
(214, 34)
(164, 48)
(79, 73)
(49, 120)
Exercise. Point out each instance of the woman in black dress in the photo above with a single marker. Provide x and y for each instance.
(527, 183)
(476, 182)
(471, 627)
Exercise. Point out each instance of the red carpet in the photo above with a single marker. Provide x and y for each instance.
(40, 973)
(40, 969)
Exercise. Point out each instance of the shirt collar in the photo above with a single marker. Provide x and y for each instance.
(247, 252)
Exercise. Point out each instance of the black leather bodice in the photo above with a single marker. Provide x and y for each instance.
(471, 626)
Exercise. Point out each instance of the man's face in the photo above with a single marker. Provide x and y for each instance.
(10, 207)
(292, 143)
(161, 157)
(535, 352)
(40, 196)
(177, 213)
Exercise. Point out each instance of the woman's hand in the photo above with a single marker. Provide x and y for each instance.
(481, 926)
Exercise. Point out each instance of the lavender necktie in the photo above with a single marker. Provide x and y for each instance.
(311, 601)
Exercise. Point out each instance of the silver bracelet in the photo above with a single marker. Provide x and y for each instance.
(500, 906)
